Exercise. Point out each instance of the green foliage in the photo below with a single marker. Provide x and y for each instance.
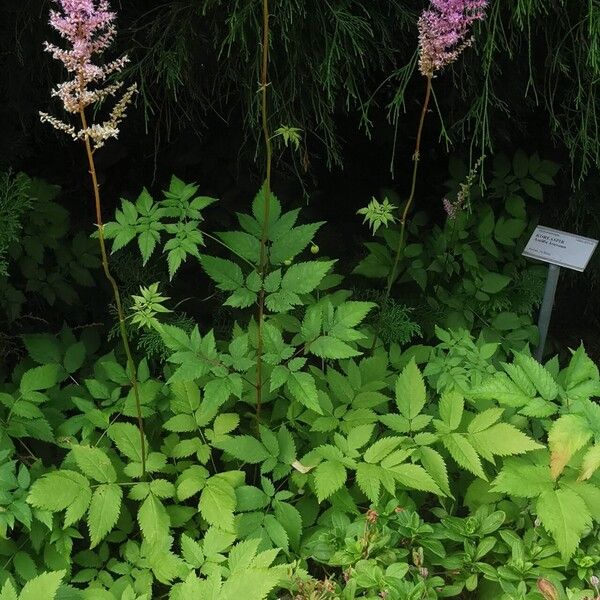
(471, 269)
(14, 202)
(39, 260)
(177, 215)
(396, 472)
(378, 213)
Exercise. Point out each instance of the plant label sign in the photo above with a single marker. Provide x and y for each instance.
(560, 248)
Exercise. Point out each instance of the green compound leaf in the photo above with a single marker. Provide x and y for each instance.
(104, 512)
(245, 448)
(463, 453)
(94, 464)
(227, 275)
(565, 515)
(58, 490)
(329, 476)
(43, 587)
(410, 391)
(326, 346)
(502, 439)
(567, 435)
(515, 472)
(40, 378)
(368, 479)
(415, 477)
(303, 389)
(153, 520)
(217, 503)
(289, 245)
(303, 278)
(541, 379)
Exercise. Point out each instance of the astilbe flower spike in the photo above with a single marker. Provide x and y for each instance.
(444, 32)
(88, 26)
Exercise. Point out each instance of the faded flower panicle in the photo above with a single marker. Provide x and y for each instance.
(88, 28)
(463, 197)
(444, 30)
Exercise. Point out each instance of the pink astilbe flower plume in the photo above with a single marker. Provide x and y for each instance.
(88, 27)
(444, 32)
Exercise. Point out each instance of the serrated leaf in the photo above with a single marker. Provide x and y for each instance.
(40, 378)
(539, 376)
(259, 205)
(515, 472)
(104, 511)
(381, 448)
(565, 516)
(485, 419)
(249, 498)
(217, 503)
(492, 283)
(360, 435)
(227, 275)
(503, 439)
(243, 244)
(191, 551)
(416, 477)
(435, 465)
(567, 435)
(225, 423)
(127, 439)
(463, 453)
(43, 587)
(410, 391)
(153, 520)
(290, 519)
(8, 591)
(276, 532)
(451, 409)
(162, 488)
(590, 463)
(94, 463)
(241, 298)
(43, 348)
(147, 243)
(367, 478)
(57, 490)
(288, 246)
(181, 423)
(326, 346)
(303, 389)
(329, 476)
(245, 448)
(303, 278)
(74, 357)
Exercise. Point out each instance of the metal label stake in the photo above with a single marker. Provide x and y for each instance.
(546, 309)
(559, 249)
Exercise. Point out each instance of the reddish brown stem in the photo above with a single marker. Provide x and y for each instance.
(115, 288)
(409, 202)
(267, 208)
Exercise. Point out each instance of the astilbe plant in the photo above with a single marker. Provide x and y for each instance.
(444, 31)
(88, 27)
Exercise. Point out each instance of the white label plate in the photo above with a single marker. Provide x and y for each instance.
(560, 248)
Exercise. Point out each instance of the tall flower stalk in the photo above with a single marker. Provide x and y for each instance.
(264, 82)
(88, 27)
(444, 32)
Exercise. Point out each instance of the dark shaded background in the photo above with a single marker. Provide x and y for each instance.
(529, 82)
